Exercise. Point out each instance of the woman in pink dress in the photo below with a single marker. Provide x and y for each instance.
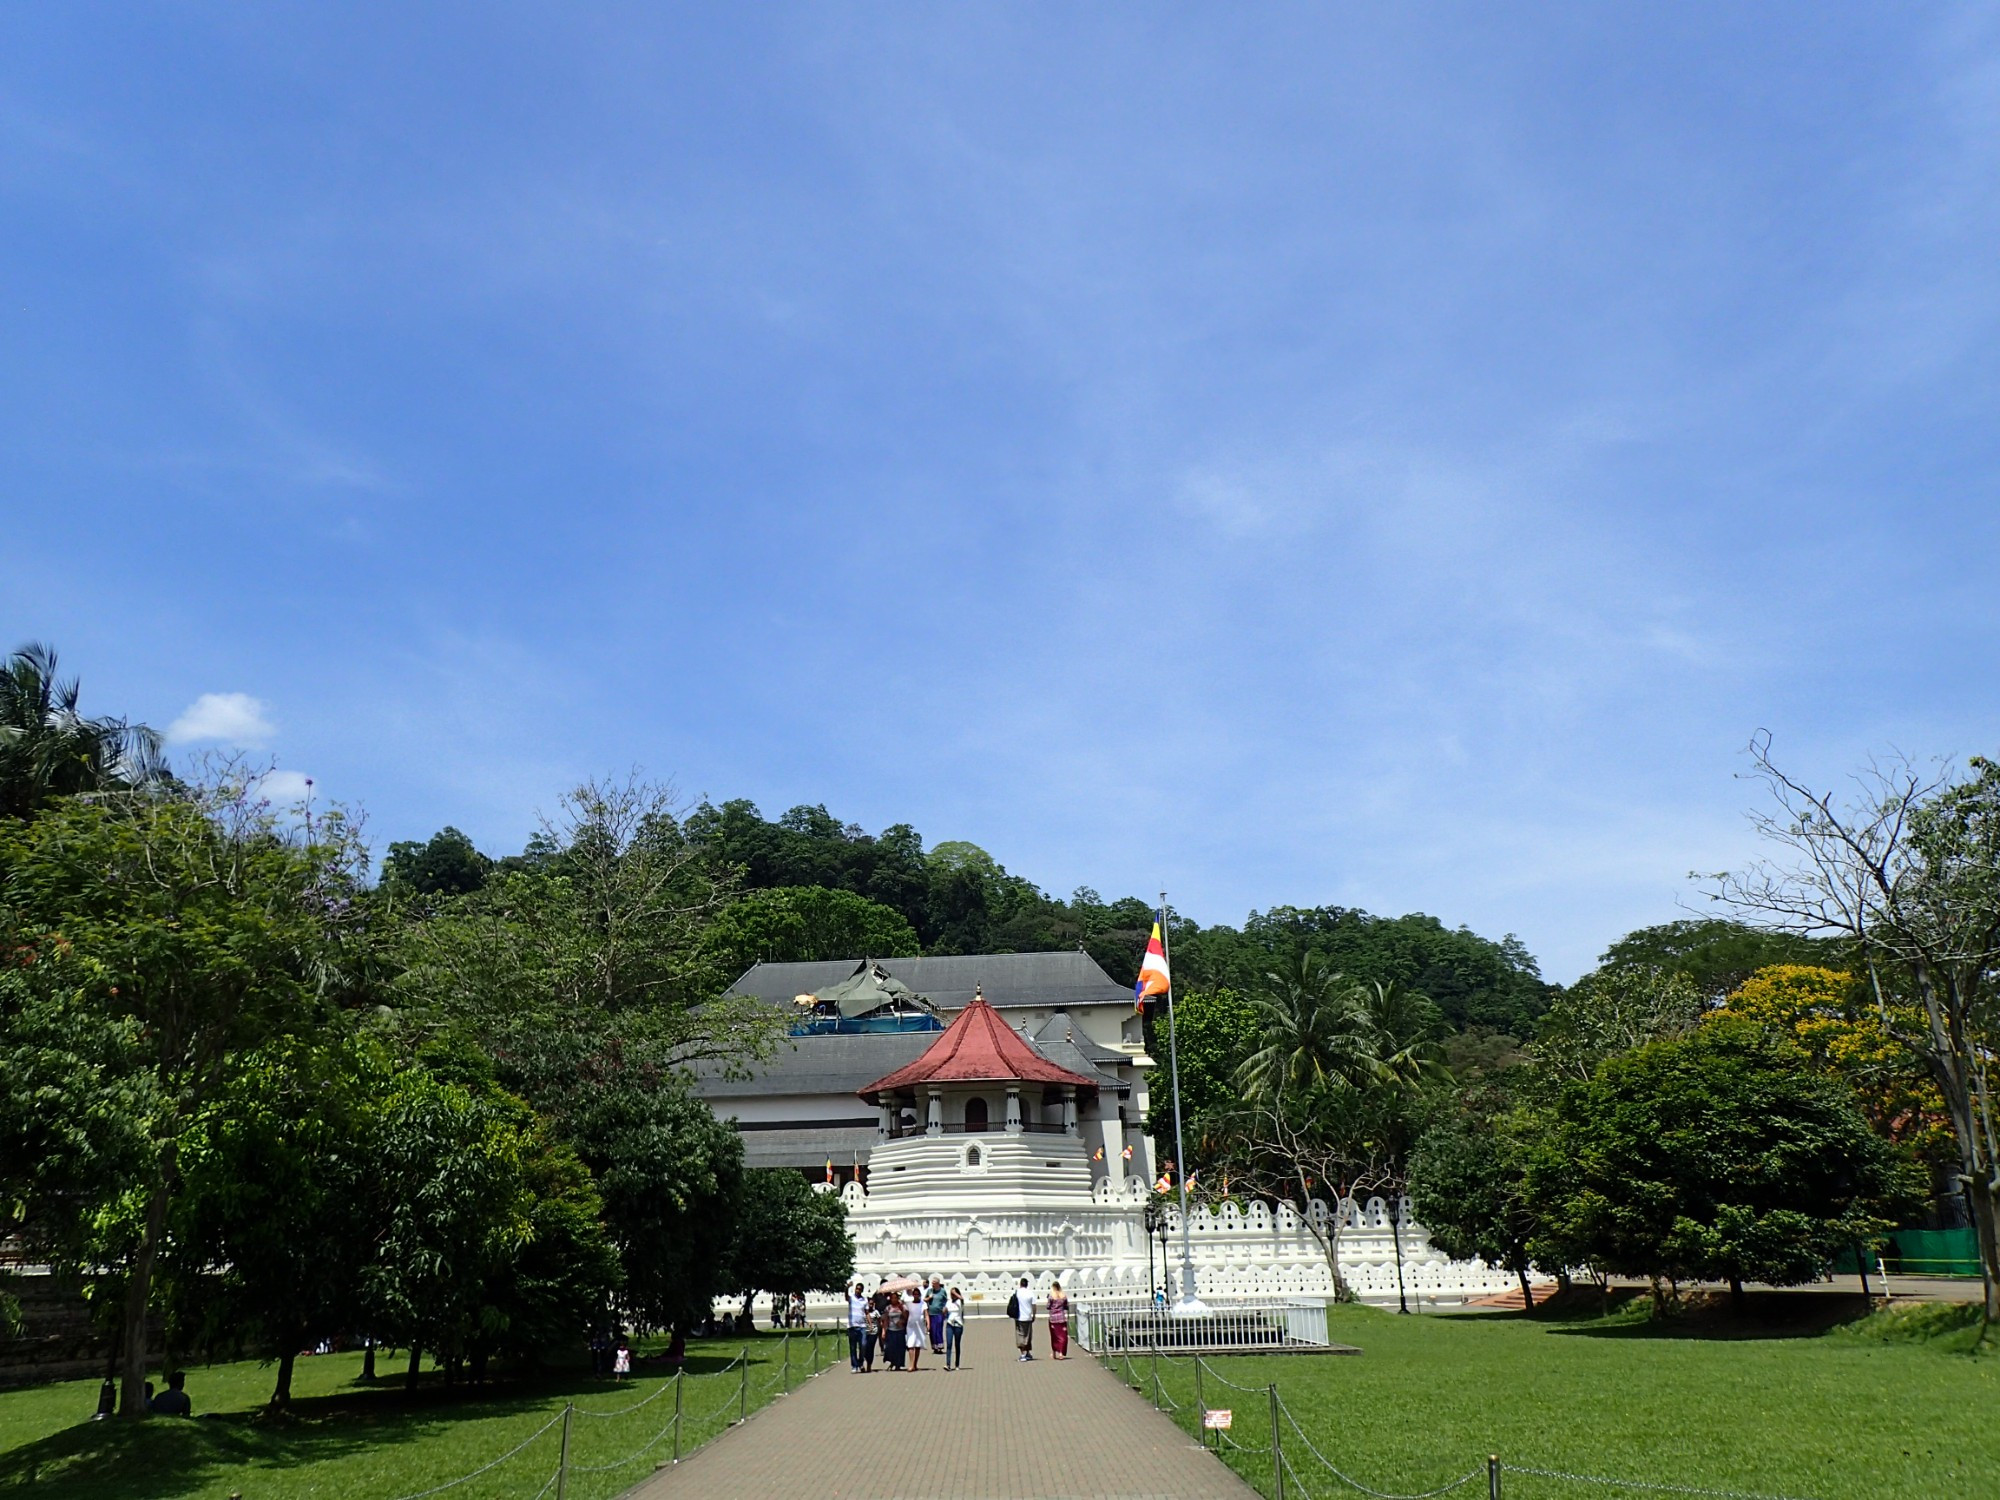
(1058, 1321)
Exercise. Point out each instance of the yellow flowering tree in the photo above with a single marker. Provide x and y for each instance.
(1829, 1017)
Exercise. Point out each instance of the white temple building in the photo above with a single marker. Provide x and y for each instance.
(976, 1114)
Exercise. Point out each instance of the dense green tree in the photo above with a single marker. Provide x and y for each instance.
(272, 1231)
(489, 1239)
(669, 1174)
(203, 927)
(1720, 1155)
(1612, 1011)
(789, 1238)
(48, 749)
(1714, 954)
(1469, 1181)
(600, 935)
(1216, 1031)
(1908, 874)
(1472, 980)
(793, 923)
(446, 864)
(75, 1104)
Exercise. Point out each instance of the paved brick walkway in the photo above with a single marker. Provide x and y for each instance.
(996, 1430)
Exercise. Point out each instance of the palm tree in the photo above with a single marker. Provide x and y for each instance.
(1315, 1031)
(1406, 1032)
(48, 749)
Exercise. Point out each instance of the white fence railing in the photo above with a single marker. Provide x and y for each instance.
(1115, 1325)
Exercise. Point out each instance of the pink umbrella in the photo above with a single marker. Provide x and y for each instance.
(902, 1284)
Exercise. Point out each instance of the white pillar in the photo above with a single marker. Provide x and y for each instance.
(1013, 1109)
(887, 1117)
(1069, 1110)
(934, 1125)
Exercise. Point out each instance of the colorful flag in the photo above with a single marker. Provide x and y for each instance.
(1098, 1154)
(1152, 971)
(1128, 1153)
(829, 1169)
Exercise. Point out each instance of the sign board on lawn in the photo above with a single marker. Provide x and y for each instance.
(1216, 1418)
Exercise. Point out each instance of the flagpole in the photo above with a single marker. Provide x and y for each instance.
(1189, 1301)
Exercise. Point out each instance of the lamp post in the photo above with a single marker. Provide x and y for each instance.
(1155, 1222)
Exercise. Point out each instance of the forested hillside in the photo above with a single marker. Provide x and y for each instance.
(806, 885)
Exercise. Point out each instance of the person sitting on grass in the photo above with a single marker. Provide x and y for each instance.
(173, 1401)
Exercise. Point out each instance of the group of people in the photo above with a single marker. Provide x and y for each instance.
(901, 1316)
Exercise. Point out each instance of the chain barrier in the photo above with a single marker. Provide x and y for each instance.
(637, 1453)
(665, 1386)
(554, 1480)
(1642, 1484)
(1353, 1483)
(1214, 1374)
(439, 1489)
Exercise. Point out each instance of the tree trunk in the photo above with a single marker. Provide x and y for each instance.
(138, 1298)
(1736, 1297)
(282, 1396)
(1986, 1228)
(416, 1366)
(1527, 1289)
(368, 1361)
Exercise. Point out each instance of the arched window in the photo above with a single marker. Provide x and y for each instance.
(972, 1156)
(975, 1114)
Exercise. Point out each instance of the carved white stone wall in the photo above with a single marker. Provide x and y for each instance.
(1028, 1207)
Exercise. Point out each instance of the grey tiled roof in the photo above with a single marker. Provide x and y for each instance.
(808, 1148)
(1066, 978)
(820, 1065)
(1064, 1045)
(847, 1064)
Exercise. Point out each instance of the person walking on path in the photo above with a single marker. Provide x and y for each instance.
(934, 1304)
(621, 1362)
(896, 1322)
(857, 1326)
(1058, 1321)
(872, 1335)
(1021, 1308)
(954, 1331)
(913, 1326)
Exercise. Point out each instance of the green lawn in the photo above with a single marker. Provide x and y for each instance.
(357, 1442)
(1895, 1406)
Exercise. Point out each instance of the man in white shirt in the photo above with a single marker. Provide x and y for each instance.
(1021, 1308)
(857, 1325)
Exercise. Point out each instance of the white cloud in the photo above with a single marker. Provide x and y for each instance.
(230, 718)
(285, 788)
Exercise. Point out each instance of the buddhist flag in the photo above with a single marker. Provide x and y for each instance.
(1098, 1154)
(1128, 1153)
(1152, 971)
(829, 1169)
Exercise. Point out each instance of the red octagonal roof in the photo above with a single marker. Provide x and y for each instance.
(978, 1047)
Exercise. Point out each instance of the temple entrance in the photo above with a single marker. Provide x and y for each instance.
(975, 1115)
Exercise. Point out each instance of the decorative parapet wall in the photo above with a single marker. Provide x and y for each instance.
(1099, 1246)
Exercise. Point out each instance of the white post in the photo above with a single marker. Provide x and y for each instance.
(886, 1119)
(1013, 1109)
(1069, 1109)
(935, 1124)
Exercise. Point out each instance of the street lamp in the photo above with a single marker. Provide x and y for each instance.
(1155, 1220)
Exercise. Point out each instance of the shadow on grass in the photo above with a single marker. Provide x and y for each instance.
(1716, 1317)
(169, 1457)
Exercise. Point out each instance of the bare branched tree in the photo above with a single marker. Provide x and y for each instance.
(1906, 867)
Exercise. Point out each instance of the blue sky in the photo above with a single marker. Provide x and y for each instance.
(1394, 456)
